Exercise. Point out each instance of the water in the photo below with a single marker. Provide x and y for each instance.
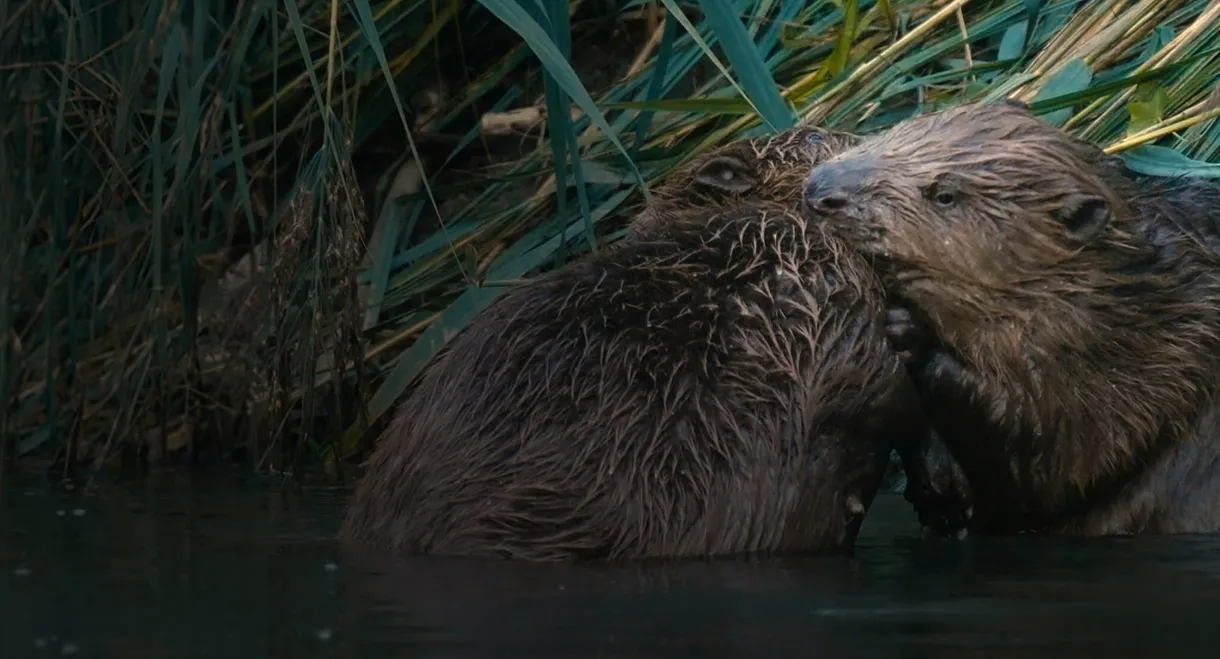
(204, 567)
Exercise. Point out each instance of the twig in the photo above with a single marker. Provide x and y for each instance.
(1154, 133)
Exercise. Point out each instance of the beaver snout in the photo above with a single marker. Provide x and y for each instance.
(830, 200)
(833, 186)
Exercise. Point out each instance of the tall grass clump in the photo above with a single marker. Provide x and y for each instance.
(239, 229)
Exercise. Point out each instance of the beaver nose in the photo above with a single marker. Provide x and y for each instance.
(829, 200)
(831, 186)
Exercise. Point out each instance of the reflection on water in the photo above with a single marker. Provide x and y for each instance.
(211, 568)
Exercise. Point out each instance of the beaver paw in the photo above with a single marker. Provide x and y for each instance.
(903, 332)
(938, 489)
(944, 369)
(944, 514)
(944, 510)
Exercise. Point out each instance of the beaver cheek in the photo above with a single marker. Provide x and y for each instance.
(865, 230)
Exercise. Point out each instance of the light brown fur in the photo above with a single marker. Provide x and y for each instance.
(1076, 307)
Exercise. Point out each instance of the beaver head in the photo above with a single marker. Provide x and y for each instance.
(1085, 317)
(748, 170)
(984, 212)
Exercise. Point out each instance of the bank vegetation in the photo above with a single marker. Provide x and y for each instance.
(237, 230)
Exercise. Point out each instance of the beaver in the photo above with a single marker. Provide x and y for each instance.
(1061, 315)
(772, 169)
(721, 384)
(767, 168)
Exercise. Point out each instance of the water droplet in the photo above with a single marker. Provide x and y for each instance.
(69, 648)
(40, 642)
(79, 512)
(330, 566)
(21, 571)
(61, 512)
(324, 634)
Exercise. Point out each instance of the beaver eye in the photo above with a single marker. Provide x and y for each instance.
(944, 190)
(727, 174)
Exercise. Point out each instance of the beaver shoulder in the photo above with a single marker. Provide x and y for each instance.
(1073, 309)
(683, 394)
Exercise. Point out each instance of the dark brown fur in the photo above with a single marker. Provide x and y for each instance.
(772, 169)
(744, 172)
(1077, 310)
(683, 394)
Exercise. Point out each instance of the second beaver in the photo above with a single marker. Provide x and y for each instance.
(1070, 312)
(721, 384)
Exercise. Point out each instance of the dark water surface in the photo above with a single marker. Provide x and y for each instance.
(204, 567)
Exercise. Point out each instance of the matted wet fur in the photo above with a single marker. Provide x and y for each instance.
(772, 169)
(1064, 314)
(684, 394)
(743, 172)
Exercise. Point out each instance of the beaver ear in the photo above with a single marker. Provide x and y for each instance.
(1085, 216)
(727, 173)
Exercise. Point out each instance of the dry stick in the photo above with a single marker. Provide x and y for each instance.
(1144, 24)
(961, 26)
(528, 118)
(1087, 35)
(1145, 21)
(1079, 35)
(517, 120)
(681, 132)
(1154, 133)
(1102, 46)
(819, 111)
(407, 332)
(654, 40)
(1171, 49)
(1183, 39)
(494, 123)
(520, 119)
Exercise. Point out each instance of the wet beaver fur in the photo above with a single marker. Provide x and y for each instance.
(682, 394)
(1062, 315)
(772, 169)
(768, 168)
